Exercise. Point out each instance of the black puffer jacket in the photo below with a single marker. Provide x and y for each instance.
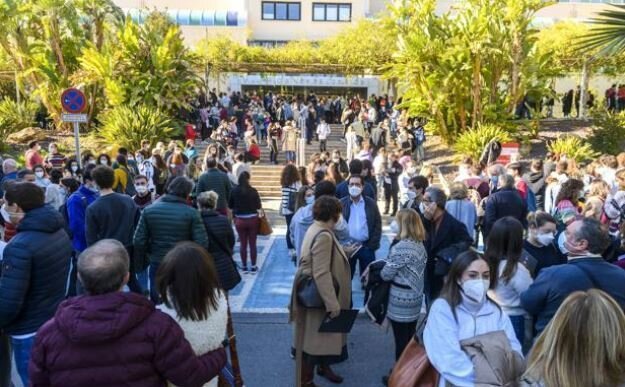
(221, 245)
(34, 271)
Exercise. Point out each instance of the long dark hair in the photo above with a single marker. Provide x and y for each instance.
(452, 291)
(244, 180)
(187, 281)
(505, 241)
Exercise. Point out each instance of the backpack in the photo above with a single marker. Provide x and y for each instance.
(65, 213)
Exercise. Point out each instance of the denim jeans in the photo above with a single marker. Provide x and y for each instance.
(152, 269)
(21, 353)
(518, 324)
(290, 156)
(364, 256)
(288, 218)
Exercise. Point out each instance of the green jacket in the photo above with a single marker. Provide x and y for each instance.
(163, 224)
(215, 180)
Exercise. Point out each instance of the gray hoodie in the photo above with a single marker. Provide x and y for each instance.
(303, 218)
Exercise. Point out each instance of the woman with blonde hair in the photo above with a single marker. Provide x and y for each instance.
(598, 192)
(583, 345)
(404, 268)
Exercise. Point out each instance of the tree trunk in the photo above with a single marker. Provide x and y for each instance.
(476, 91)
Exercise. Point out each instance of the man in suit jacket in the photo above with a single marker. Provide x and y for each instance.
(364, 223)
(446, 238)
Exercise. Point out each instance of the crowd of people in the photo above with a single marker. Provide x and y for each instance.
(117, 269)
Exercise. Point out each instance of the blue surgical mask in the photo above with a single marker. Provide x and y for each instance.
(310, 200)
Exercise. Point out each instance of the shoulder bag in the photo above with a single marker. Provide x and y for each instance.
(413, 369)
(264, 228)
(307, 293)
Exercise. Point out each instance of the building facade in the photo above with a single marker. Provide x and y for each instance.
(271, 23)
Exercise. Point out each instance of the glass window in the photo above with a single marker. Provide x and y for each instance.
(319, 12)
(268, 11)
(294, 11)
(332, 12)
(281, 11)
(345, 12)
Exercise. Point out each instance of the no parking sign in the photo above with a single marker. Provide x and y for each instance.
(73, 101)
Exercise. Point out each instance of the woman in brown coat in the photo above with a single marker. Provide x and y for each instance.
(324, 259)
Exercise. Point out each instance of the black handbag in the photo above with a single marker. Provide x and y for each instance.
(307, 292)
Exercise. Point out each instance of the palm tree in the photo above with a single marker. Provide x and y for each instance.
(608, 34)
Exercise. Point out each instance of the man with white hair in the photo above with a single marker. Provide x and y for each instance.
(9, 171)
(115, 338)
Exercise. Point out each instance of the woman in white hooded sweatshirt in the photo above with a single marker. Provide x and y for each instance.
(189, 287)
(463, 312)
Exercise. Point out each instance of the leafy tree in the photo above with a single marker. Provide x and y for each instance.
(126, 126)
(15, 117)
(146, 65)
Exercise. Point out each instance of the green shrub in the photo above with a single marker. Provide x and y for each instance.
(572, 147)
(127, 127)
(472, 142)
(608, 132)
(16, 116)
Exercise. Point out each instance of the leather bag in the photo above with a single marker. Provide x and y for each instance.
(413, 369)
(307, 293)
(264, 228)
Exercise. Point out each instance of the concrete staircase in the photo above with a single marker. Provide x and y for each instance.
(266, 176)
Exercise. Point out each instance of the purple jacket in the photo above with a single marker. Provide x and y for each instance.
(116, 339)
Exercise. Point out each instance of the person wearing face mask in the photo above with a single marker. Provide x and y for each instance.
(391, 184)
(585, 241)
(54, 159)
(326, 262)
(416, 189)
(35, 267)
(446, 238)
(540, 241)
(72, 169)
(364, 223)
(303, 217)
(355, 169)
(32, 156)
(144, 197)
(77, 208)
(463, 314)
(41, 179)
(337, 159)
(504, 248)
(290, 183)
(55, 194)
(104, 159)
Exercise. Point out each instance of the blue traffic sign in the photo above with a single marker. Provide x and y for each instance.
(73, 101)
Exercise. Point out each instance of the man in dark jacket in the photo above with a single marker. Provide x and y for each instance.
(115, 339)
(363, 222)
(585, 241)
(215, 180)
(507, 201)
(112, 216)
(34, 269)
(355, 169)
(163, 224)
(378, 139)
(446, 238)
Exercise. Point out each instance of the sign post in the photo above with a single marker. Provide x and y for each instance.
(74, 102)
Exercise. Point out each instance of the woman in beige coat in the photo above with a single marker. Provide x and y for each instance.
(324, 259)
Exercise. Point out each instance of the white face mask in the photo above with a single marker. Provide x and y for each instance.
(103, 162)
(74, 168)
(39, 174)
(476, 289)
(5, 215)
(412, 195)
(394, 227)
(141, 189)
(91, 162)
(354, 191)
(310, 200)
(545, 239)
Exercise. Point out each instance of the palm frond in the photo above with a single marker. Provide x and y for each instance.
(608, 34)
